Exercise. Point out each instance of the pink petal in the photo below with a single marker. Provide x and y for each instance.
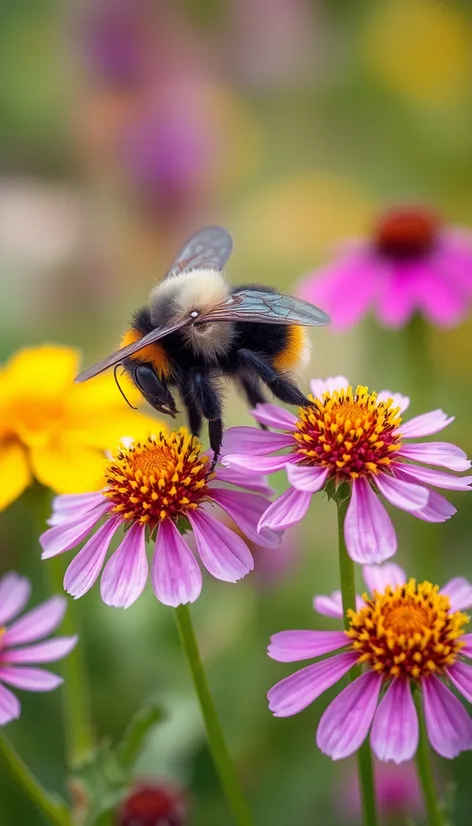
(425, 425)
(441, 454)
(256, 464)
(254, 441)
(292, 646)
(461, 675)
(403, 402)
(466, 650)
(402, 494)
(246, 510)
(126, 572)
(224, 554)
(37, 623)
(436, 477)
(175, 573)
(30, 679)
(396, 295)
(459, 591)
(379, 577)
(320, 386)
(70, 506)
(368, 529)
(301, 689)
(67, 535)
(332, 606)
(311, 479)
(85, 568)
(243, 479)
(274, 416)
(10, 708)
(14, 594)
(442, 300)
(448, 724)
(43, 652)
(344, 290)
(345, 724)
(438, 509)
(395, 731)
(287, 510)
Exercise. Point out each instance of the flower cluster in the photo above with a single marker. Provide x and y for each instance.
(162, 487)
(407, 636)
(358, 438)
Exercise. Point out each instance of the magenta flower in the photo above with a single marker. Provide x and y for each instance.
(16, 655)
(358, 438)
(406, 635)
(397, 789)
(411, 264)
(155, 489)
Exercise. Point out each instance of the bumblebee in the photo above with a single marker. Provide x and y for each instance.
(196, 329)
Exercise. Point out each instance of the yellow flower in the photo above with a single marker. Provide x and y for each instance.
(56, 431)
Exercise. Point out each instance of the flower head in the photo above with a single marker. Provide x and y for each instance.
(358, 438)
(151, 803)
(16, 655)
(54, 430)
(159, 487)
(412, 263)
(406, 635)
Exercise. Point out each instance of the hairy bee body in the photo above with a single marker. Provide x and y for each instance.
(197, 329)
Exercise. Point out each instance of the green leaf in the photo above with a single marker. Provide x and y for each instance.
(132, 741)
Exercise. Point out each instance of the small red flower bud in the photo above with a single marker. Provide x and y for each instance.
(153, 804)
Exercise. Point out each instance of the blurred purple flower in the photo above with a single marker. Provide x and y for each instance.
(397, 788)
(16, 655)
(412, 263)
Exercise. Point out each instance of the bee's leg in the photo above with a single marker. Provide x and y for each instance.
(250, 385)
(281, 387)
(194, 413)
(206, 398)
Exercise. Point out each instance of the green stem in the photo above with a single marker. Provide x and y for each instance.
(348, 593)
(52, 807)
(425, 773)
(216, 741)
(420, 375)
(75, 695)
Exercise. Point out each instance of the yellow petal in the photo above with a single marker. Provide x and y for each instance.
(15, 475)
(68, 468)
(104, 432)
(44, 371)
(102, 391)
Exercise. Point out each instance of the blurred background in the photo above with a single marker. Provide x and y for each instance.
(128, 124)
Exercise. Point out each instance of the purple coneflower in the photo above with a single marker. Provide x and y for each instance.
(359, 438)
(406, 636)
(412, 263)
(16, 655)
(158, 488)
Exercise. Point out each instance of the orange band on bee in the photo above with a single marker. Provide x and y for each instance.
(153, 353)
(293, 351)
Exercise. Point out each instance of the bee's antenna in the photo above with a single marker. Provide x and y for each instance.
(121, 389)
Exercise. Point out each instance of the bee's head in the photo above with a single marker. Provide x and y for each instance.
(154, 390)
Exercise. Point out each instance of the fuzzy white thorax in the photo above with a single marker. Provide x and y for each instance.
(197, 290)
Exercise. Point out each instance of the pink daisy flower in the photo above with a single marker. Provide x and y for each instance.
(153, 489)
(359, 438)
(16, 655)
(411, 264)
(405, 636)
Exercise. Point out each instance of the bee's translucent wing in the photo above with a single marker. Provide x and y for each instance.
(209, 248)
(267, 307)
(130, 350)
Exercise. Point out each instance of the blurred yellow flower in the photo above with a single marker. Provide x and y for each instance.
(420, 48)
(54, 430)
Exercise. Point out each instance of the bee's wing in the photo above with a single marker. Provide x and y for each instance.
(130, 350)
(267, 307)
(209, 248)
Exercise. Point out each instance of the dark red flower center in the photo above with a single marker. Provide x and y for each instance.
(153, 806)
(403, 234)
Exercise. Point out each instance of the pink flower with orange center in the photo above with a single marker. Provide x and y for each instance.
(412, 264)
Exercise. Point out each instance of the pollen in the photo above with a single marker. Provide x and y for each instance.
(408, 631)
(163, 477)
(352, 433)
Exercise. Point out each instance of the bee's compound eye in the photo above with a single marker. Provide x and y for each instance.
(194, 314)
